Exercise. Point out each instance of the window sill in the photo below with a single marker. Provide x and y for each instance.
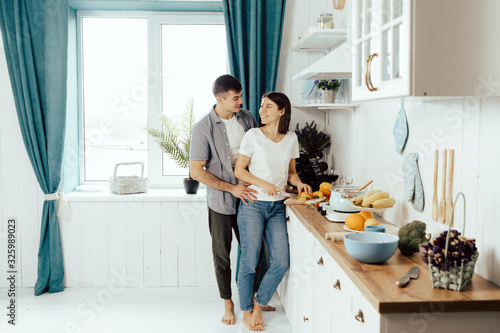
(152, 195)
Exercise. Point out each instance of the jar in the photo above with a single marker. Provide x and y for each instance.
(324, 23)
(327, 20)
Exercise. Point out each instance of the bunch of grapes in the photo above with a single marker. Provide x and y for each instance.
(459, 248)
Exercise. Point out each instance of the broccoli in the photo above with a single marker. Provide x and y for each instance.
(411, 236)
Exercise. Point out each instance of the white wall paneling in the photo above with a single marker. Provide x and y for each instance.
(169, 252)
(153, 243)
(457, 123)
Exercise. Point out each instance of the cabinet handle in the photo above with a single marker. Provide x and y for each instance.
(359, 317)
(306, 319)
(366, 72)
(288, 218)
(370, 72)
(337, 285)
(320, 261)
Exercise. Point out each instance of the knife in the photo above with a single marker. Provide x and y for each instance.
(412, 274)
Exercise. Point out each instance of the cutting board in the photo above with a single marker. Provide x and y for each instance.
(293, 201)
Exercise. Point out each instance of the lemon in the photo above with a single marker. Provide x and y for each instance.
(371, 221)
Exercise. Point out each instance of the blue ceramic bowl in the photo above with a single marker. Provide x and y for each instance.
(370, 247)
(375, 228)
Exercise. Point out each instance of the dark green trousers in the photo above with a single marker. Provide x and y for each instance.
(221, 229)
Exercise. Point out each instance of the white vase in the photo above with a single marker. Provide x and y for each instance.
(328, 96)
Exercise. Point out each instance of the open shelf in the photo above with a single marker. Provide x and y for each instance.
(323, 106)
(322, 40)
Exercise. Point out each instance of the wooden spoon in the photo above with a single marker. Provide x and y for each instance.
(435, 196)
(442, 203)
(449, 198)
(364, 186)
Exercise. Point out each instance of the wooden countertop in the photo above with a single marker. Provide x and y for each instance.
(378, 282)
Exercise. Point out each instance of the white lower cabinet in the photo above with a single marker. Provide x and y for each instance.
(319, 297)
(316, 294)
(296, 289)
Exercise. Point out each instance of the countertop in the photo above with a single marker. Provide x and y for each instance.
(378, 282)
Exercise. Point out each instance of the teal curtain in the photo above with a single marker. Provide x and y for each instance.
(254, 29)
(35, 36)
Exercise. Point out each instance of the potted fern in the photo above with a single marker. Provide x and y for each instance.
(176, 142)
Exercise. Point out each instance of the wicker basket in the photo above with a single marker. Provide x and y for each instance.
(455, 278)
(128, 184)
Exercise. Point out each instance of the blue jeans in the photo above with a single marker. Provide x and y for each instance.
(261, 218)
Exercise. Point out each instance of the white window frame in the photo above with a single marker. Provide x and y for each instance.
(155, 101)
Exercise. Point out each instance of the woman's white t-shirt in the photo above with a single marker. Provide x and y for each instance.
(235, 132)
(269, 160)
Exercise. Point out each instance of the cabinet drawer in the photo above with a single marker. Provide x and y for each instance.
(323, 264)
(364, 318)
(340, 289)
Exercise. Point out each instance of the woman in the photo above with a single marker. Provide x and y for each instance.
(269, 151)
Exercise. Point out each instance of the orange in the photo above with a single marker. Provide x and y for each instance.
(365, 214)
(325, 188)
(355, 221)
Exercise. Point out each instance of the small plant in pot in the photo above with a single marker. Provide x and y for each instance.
(328, 89)
(175, 141)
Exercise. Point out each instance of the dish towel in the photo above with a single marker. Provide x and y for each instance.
(414, 191)
(400, 129)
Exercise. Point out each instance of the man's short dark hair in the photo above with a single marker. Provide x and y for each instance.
(225, 83)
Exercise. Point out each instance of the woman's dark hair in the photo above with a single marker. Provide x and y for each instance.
(283, 103)
(225, 83)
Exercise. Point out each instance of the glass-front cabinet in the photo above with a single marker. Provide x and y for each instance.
(381, 49)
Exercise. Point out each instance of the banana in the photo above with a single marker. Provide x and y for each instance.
(369, 193)
(357, 200)
(374, 197)
(383, 203)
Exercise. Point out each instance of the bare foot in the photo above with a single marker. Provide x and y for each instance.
(267, 308)
(247, 321)
(257, 314)
(228, 318)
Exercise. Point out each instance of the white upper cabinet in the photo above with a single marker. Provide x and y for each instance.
(424, 48)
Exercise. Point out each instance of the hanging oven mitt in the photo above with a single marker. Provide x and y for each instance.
(414, 191)
(400, 129)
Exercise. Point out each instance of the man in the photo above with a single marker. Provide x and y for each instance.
(214, 149)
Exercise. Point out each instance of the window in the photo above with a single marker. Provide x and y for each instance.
(134, 68)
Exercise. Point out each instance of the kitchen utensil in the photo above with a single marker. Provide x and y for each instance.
(364, 186)
(340, 198)
(293, 201)
(434, 196)
(286, 194)
(370, 247)
(442, 202)
(449, 200)
(413, 273)
(335, 236)
(400, 129)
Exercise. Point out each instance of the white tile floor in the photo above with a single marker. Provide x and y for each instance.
(128, 310)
